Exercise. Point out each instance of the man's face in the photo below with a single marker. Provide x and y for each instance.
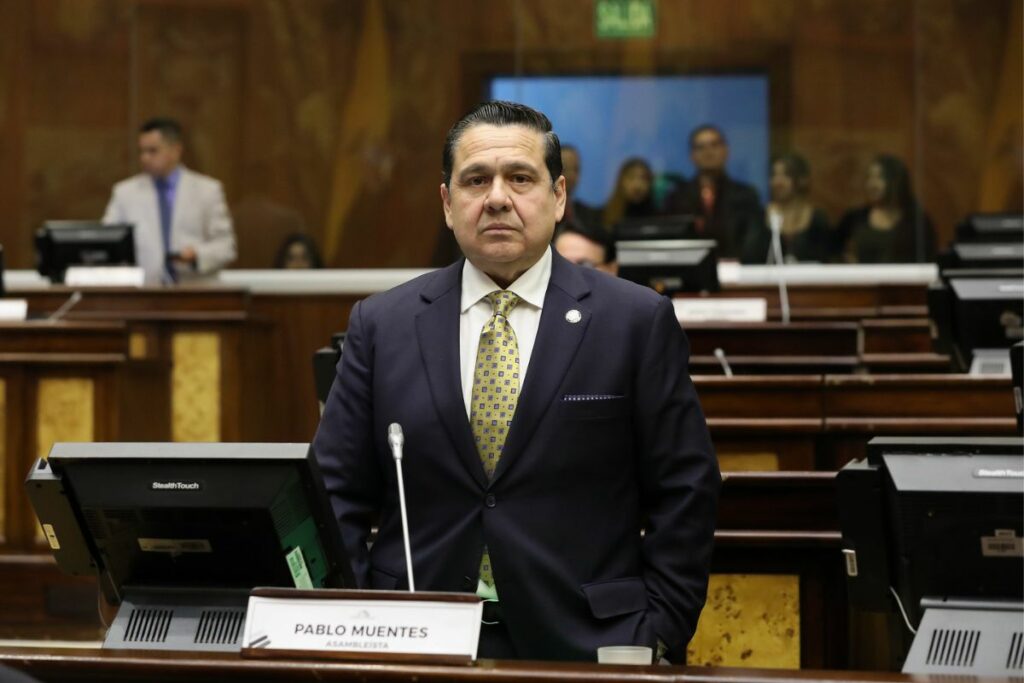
(579, 250)
(501, 204)
(157, 156)
(709, 152)
(570, 169)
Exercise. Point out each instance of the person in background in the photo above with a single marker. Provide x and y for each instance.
(804, 228)
(726, 210)
(892, 227)
(297, 252)
(587, 247)
(183, 228)
(632, 196)
(576, 212)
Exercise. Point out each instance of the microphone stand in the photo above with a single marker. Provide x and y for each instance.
(396, 439)
(775, 221)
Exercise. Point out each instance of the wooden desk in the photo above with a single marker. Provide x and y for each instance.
(195, 358)
(66, 665)
(821, 422)
(774, 339)
(58, 382)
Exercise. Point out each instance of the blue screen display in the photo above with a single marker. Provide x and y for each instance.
(610, 119)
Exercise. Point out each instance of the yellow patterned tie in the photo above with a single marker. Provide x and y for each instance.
(495, 392)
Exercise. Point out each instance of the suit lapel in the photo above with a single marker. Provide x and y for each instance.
(553, 352)
(437, 330)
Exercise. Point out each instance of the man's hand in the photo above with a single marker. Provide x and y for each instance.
(187, 255)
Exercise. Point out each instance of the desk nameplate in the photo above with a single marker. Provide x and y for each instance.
(362, 625)
(13, 310)
(104, 276)
(733, 310)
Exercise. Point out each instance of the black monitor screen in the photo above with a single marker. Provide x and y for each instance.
(991, 227)
(61, 244)
(988, 313)
(670, 266)
(679, 227)
(949, 522)
(195, 515)
(988, 254)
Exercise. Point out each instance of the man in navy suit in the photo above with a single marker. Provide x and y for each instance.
(548, 415)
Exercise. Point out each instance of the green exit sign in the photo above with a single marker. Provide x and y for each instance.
(624, 18)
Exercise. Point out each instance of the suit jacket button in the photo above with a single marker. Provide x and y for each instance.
(490, 501)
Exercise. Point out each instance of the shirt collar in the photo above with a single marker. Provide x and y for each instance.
(531, 286)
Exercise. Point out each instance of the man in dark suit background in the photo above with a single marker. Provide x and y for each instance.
(548, 417)
(726, 210)
(577, 214)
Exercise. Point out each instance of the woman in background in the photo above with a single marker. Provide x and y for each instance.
(633, 196)
(803, 228)
(298, 251)
(892, 227)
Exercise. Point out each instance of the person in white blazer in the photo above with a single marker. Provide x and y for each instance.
(183, 229)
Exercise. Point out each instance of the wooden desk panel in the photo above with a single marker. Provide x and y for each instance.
(64, 337)
(917, 396)
(897, 335)
(774, 339)
(193, 373)
(58, 664)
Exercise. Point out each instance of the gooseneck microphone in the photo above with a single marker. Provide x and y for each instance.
(775, 222)
(726, 368)
(65, 307)
(396, 440)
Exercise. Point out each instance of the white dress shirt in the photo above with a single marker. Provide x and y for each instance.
(476, 310)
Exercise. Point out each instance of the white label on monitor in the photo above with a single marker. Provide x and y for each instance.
(299, 570)
(13, 309)
(175, 546)
(364, 626)
(998, 473)
(721, 310)
(104, 276)
(1002, 545)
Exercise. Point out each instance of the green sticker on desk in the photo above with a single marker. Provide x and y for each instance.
(297, 566)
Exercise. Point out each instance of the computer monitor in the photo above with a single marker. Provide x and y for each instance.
(934, 518)
(977, 312)
(670, 266)
(991, 227)
(187, 529)
(325, 367)
(679, 227)
(60, 244)
(985, 255)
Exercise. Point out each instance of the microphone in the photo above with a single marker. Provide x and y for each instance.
(775, 222)
(396, 440)
(726, 368)
(65, 307)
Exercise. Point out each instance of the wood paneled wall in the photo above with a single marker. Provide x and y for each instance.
(328, 115)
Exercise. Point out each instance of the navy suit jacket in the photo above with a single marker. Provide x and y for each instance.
(608, 439)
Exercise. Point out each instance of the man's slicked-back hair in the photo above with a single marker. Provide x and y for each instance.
(168, 128)
(501, 113)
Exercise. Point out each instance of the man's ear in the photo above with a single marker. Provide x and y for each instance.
(446, 204)
(560, 198)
